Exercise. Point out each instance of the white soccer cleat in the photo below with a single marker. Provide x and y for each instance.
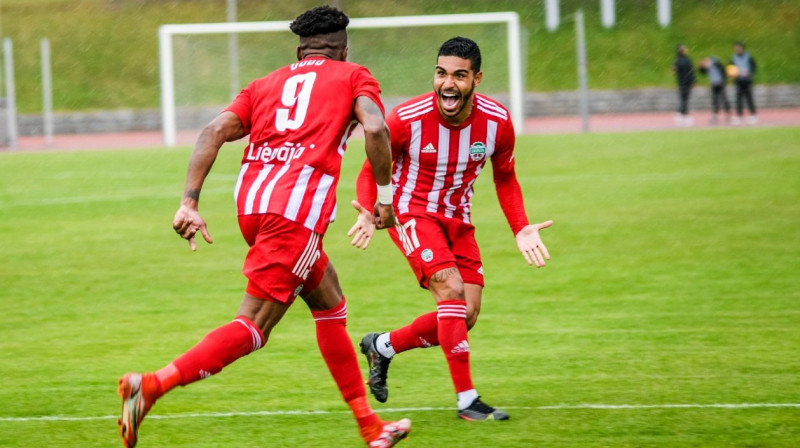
(391, 434)
(134, 407)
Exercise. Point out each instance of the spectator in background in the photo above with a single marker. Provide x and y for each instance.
(717, 78)
(743, 76)
(684, 71)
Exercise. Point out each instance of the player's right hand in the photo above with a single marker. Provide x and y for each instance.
(363, 229)
(187, 222)
(384, 216)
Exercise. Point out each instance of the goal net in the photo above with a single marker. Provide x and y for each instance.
(197, 79)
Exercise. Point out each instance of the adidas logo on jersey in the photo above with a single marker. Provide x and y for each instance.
(462, 347)
(429, 148)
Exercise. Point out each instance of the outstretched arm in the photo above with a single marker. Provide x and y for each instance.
(187, 222)
(379, 154)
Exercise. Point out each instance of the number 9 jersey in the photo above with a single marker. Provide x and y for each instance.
(299, 118)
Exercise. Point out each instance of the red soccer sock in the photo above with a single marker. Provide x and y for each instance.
(369, 425)
(453, 339)
(218, 349)
(423, 332)
(337, 350)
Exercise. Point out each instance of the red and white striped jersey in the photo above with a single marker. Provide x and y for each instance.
(436, 164)
(299, 118)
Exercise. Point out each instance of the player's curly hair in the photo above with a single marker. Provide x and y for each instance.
(320, 20)
(463, 48)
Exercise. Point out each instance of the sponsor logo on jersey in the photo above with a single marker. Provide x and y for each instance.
(462, 347)
(477, 151)
(429, 148)
(427, 255)
(265, 154)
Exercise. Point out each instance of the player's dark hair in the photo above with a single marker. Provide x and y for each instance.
(320, 20)
(740, 43)
(463, 48)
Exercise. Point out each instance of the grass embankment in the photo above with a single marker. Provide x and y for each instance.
(105, 51)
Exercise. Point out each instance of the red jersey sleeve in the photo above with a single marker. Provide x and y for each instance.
(364, 84)
(242, 106)
(509, 193)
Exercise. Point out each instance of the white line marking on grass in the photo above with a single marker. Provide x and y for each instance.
(418, 409)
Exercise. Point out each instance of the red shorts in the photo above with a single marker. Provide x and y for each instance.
(432, 243)
(285, 259)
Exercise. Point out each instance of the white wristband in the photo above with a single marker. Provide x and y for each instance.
(385, 194)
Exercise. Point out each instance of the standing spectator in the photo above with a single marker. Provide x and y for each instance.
(745, 69)
(684, 71)
(717, 78)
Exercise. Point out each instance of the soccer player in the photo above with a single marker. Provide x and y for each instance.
(298, 119)
(440, 143)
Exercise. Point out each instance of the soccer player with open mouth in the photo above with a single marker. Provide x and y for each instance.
(440, 143)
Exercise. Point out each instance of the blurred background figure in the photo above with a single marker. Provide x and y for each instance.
(745, 68)
(684, 71)
(717, 79)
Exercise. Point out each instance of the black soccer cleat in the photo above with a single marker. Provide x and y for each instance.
(479, 410)
(378, 367)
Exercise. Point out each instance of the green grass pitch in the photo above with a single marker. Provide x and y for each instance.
(674, 280)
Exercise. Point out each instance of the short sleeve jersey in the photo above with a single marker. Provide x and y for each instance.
(299, 118)
(436, 164)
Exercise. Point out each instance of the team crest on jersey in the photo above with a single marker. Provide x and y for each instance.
(427, 255)
(477, 151)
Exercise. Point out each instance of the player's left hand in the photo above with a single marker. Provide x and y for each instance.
(364, 227)
(530, 243)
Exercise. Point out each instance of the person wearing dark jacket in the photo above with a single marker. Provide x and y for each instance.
(745, 70)
(717, 78)
(684, 71)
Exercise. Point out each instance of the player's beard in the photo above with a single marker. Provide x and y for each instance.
(465, 99)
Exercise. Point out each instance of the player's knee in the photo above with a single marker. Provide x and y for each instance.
(447, 285)
(472, 316)
(450, 289)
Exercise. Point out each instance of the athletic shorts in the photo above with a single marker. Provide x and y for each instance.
(433, 242)
(285, 259)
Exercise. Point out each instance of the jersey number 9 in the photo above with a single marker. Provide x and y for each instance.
(296, 95)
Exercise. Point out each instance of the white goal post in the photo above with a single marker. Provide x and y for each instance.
(166, 57)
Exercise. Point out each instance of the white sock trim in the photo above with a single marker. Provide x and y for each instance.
(384, 345)
(466, 398)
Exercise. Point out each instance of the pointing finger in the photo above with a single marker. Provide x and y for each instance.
(206, 235)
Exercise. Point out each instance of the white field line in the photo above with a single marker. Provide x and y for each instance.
(418, 409)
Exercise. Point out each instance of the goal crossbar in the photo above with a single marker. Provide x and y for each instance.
(167, 69)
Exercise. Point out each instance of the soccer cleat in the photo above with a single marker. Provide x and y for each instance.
(391, 434)
(378, 367)
(479, 410)
(137, 399)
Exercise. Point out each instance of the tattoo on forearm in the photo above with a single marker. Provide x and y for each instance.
(192, 194)
(442, 275)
